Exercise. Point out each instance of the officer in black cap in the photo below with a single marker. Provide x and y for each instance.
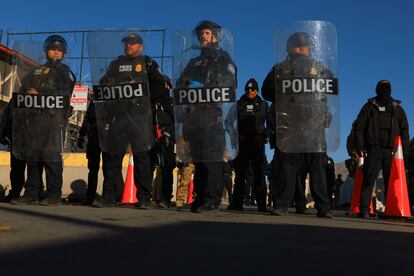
(112, 163)
(380, 120)
(214, 67)
(252, 114)
(54, 77)
(292, 167)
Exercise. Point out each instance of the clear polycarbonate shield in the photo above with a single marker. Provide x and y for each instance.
(39, 116)
(306, 84)
(120, 91)
(38, 125)
(205, 107)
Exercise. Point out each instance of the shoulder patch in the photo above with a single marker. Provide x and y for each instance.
(71, 76)
(231, 69)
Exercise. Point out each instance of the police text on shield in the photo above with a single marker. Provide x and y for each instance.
(310, 85)
(41, 101)
(204, 95)
(118, 92)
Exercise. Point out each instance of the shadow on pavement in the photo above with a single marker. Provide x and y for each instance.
(216, 248)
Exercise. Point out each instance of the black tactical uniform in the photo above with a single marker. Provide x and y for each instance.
(300, 163)
(17, 166)
(213, 68)
(53, 78)
(112, 163)
(252, 114)
(93, 154)
(162, 154)
(378, 123)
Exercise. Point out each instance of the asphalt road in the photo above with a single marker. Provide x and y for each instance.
(78, 240)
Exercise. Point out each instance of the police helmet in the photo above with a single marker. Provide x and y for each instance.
(133, 39)
(55, 42)
(207, 24)
(297, 40)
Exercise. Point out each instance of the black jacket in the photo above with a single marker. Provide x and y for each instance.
(252, 116)
(367, 126)
(54, 77)
(142, 68)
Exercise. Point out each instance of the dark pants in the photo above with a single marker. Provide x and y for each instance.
(300, 192)
(163, 156)
(208, 182)
(93, 153)
(113, 180)
(376, 159)
(255, 154)
(54, 179)
(291, 165)
(17, 175)
(228, 181)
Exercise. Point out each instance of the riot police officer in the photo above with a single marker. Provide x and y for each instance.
(204, 126)
(294, 158)
(162, 154)
(52, 78)
(252, 113)
(380, 120)
(118, 120)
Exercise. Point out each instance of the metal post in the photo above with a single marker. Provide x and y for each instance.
(163, 49)
(82, 57)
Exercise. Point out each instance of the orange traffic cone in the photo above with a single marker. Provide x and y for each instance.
(397, 204)
(356, 191)
(190, 190)
(130, 190)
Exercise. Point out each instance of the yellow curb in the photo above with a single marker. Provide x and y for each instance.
(4, 228)
(69, 159)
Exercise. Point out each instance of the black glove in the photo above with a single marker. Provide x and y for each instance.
(80, 142)
(4, 141)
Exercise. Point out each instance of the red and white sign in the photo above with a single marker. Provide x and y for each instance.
(79, 100)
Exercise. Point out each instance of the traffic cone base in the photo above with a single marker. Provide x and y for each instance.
(356, 190)
(397, 204)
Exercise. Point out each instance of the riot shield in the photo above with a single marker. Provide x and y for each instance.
(120, 93)
(306, 84)
(38, 126)
(40, 106)
(205, 104)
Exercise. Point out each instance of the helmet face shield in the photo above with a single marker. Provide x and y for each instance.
(299, 39)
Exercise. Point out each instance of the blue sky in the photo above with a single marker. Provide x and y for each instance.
(375, 38)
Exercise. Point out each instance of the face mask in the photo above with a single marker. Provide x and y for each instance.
(384, 95)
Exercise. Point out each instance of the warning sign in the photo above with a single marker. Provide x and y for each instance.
(79, 100)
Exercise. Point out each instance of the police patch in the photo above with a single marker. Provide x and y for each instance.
(46, 71)
(125, 68)
(231, 69)
(138, 68)
(313, 72)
